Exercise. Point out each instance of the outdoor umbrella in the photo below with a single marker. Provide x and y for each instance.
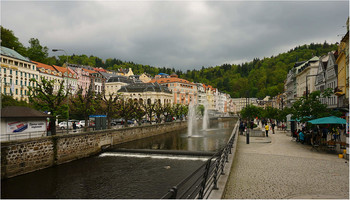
(328, 120)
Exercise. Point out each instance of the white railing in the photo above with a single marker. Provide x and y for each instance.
(20, 136)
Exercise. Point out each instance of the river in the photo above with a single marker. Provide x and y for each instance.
(113, 175)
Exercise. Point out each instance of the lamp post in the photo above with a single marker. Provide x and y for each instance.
(307, 89)
(54, 50)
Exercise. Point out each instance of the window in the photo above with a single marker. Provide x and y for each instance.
(21, 83)
(16, 82)
(16, 91)
(10, 71)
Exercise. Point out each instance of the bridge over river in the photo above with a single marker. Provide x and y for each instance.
(145, 168)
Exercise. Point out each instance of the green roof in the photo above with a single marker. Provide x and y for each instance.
(12, 53)
(315, 58)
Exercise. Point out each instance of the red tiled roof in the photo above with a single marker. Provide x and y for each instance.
(100, 70)
(63, 70)
(45, 66)
(90, 71)
(171, 80)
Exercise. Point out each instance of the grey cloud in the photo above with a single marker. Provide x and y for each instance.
(184, 35)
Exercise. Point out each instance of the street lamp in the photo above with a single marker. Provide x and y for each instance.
(54, 50)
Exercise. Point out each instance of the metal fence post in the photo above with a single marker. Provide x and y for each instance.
(173, 190)
(217, 164)
(222, 164)
(204, 181)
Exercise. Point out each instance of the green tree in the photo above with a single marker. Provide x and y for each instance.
(8, 100)
(43, 98)
(307, 108)
(250, 112)
(85, 104)
(109, 106)
(149, 109)
(158, 110)
(139, 112)
(37, 52)
(126, 109)
(9, 40)
(200, 109)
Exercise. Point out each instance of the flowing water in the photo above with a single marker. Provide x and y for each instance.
(121, 175)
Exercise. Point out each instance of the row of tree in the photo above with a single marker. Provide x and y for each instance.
(304, 109)
(60, 104)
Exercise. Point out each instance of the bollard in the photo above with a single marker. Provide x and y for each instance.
(247, 137)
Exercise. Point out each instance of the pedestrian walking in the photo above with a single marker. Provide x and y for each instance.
(74, 127)
(267, 130)
(273, 127)
(241, 128)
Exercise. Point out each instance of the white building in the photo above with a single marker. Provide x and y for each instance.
(147, 92)
(332, 80)
(16, 72)
(306, 77)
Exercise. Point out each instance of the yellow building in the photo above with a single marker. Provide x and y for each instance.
(49, 73)
(16, 72)
(343, 70)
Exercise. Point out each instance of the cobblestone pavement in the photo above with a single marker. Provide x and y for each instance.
(284, 169)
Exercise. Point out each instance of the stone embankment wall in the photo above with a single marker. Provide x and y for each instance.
(24, 156)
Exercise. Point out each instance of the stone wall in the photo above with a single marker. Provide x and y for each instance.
(24, 156)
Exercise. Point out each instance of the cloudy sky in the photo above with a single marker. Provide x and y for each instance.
(180, 34)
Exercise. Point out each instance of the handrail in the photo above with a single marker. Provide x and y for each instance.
(201, 182)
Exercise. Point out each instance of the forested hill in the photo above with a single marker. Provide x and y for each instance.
(259, 77)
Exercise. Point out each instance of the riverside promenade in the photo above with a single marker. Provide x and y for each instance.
(278, 168)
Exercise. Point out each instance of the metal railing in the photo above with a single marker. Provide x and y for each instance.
(201, 182)
(20, 136)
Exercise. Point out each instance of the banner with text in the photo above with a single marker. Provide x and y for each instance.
(26, 126)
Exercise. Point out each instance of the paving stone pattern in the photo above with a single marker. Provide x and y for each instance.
(278, 168)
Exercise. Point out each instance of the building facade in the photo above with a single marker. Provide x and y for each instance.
(147, 93)
(331, 80)
(342, 61)
(114, 84)
(70, 78)
(16, 72)
(49, 73)
(306, 77)
(183, 91)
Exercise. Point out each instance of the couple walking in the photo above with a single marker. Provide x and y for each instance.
(267, 129)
